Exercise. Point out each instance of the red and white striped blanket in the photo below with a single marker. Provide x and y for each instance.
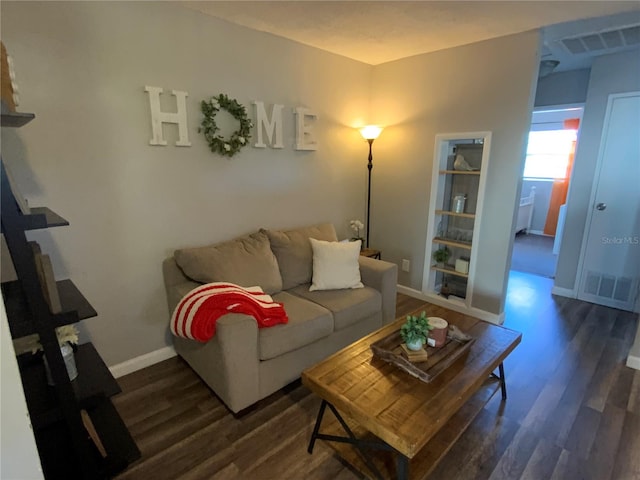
(196, 315)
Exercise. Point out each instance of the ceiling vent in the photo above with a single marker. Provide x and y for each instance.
(600, 42)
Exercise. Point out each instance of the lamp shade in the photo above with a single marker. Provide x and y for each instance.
(370, 132)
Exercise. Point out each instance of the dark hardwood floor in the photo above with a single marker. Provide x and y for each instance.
(573, 410)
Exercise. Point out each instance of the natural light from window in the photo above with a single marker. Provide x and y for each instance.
(548, 153)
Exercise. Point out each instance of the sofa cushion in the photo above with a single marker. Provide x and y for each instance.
(308, 322)
(335, 265)
(293, 251)
(348, 306)
(246, 261)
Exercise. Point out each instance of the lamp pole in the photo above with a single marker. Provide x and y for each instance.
(369, 167)
(369, 133)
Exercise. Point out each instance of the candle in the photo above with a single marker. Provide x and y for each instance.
(439, 332)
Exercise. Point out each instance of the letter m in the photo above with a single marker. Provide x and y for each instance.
(270, 126)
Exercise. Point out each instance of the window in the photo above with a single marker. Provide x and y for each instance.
(548, 153)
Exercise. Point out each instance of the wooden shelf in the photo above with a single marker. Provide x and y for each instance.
(429, 456)
(454, 214)
(75, 307)
(449, 270)
(452, 243)
(16, 119)
(93, 383)
(460, 172)
(57, 456)
(120, 447)
(42, 217)
(93, 387)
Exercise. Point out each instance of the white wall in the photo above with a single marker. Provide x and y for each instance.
(18, 454)
(615, 73)
(478, 87)
(82, 67)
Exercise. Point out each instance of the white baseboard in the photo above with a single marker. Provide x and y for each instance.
(443, 302)
(537, 232)
(564, 292)
(633, 362)
(138, 363)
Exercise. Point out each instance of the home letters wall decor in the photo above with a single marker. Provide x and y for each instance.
(269, 126)
(304, 133)
(217, 143)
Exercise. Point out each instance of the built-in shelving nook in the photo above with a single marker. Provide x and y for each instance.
(460, 163)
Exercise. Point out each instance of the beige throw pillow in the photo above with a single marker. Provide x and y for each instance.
(246, 261)
(293, 251)
(335, 265)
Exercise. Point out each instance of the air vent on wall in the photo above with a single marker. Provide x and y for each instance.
(600, 41)
(608, 286)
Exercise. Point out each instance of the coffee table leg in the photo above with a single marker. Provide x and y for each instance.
(316, 429)
(402, 467)
(360, 445)
(503, 381)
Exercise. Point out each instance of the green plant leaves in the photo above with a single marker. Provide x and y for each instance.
(217, 143)
(416, 327)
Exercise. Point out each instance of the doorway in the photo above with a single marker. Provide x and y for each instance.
(550, 150)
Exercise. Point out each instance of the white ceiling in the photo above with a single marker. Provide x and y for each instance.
(375, 32)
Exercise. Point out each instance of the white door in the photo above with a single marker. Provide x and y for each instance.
(610, 273)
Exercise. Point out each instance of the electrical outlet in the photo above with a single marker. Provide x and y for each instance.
(405, 265)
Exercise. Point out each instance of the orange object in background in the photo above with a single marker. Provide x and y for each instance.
(560, 187)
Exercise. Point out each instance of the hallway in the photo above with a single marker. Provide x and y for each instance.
(534, 254)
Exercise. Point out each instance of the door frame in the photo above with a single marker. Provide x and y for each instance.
(565, 107)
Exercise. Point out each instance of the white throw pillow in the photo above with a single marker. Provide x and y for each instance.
(335, 265)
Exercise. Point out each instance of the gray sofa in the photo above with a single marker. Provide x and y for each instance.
(243, 364)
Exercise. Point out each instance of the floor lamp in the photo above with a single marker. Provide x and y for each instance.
(370, 133)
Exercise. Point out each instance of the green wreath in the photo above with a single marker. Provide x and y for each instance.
(217, 143)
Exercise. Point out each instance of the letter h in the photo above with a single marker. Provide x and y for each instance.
(159, 117)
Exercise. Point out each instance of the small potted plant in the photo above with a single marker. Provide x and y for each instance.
(356, 226)
(67, 339)
(442, 255)
(415, 331)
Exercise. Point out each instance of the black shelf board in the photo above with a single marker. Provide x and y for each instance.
(43, 217)
(93, 385)
(16, 119)
(57, 453)
(57, 457)
(115, 437)
(75, 307)
(72, 300)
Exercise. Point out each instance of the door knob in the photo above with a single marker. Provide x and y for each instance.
(601, 206)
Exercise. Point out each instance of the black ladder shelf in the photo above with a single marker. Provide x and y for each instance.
(78, 432)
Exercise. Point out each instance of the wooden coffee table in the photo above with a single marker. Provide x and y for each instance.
(384, 420)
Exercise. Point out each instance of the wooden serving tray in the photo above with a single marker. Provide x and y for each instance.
(390, 350)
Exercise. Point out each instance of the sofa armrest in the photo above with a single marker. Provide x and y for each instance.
(229, 362)
(383, 276)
